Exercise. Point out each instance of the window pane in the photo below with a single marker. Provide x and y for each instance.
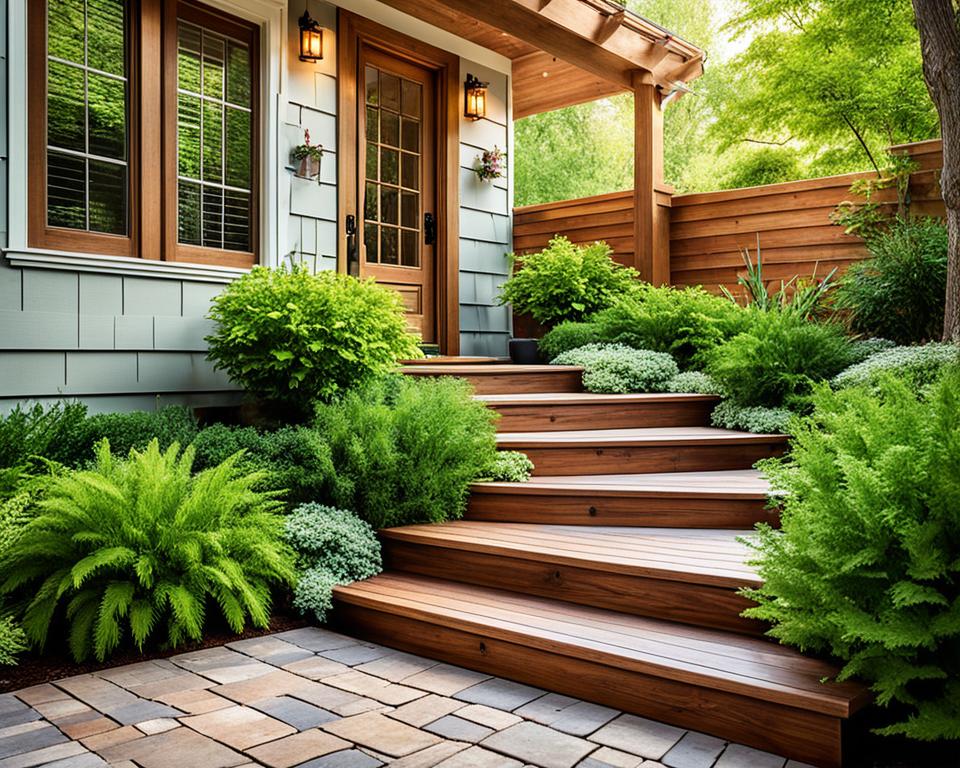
(188, 136)
(409, 248)
(390, 129)
(371, 233)
(107, 105)
(372, 152)
(238, 74)
(389, 203)
(410, 98)
(238, 148)
(213, 65)
(389, 91)
(388, 166)
(372, 117)
(65, 110)
(389, 246)
(65, 30)
(212, 141)
(108, 197)
(370, 202)
(212, 217)
(411, 171)
(410, 135)
(236, 221)
(188, 59)
(410, 209)
(188, 213)
(371, 83)
(105, 36)
(66, 191)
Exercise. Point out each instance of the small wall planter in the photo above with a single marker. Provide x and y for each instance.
(308, 168)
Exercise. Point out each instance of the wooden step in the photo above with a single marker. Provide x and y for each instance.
(734, 499)
(739, 688)
(552, 411)
(658, 449)
(491, 379)
(684, 575)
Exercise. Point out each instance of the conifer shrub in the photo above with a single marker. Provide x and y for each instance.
(55, 432)
(776, 363)
(866, 565)
(566, 281)
(15, 512)
(616, 368)
(756, 418)
(136, 548)
(920, 365)
(687, 323)
(693, 382)
(406, 449)
(508, 467)
(333, 547)
(566, 336)
(294, 338)
(135, 430)
(294, 459)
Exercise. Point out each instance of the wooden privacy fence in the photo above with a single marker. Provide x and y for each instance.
(708, 230)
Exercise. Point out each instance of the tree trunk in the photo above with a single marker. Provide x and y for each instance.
(939, 26)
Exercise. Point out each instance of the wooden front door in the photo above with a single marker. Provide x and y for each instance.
(396, 181)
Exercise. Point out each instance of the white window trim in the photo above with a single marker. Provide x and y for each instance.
(271, 16)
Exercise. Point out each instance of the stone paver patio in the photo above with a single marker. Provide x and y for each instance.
(315, 699)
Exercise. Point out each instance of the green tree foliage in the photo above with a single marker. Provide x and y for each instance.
(294, 338)
(765, 165)
(866, 565)
(566, 281)
(405, 449)
(140, 547)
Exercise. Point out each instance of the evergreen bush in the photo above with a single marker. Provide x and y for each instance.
(54, 432)
(405, 450)
(920, 366)
(333, 547)
(135, 430)
(687, 323)
(295, 338)
(566, 336)
(777, 362)
(141, 546)
(617, 369)
(866, 565)
(566, 281)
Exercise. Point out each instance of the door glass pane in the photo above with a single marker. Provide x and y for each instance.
(389, 205)
(390, 129)
(410, 135)
(409, 248)
(214, 139)
(411, 171)
(410, 209)
(410, 98)
(389, 246)
(373, 116)
(370, 202)
(87, 176)
(389, 91)
(371, 86)
(388, 166)
(372, 153)
(371, 233)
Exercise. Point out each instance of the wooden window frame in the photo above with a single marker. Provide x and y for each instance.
(152, 145)
(355, 32)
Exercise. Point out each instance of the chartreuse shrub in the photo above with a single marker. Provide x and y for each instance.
(920, 366)
(15, 512)
(616, 368)
(685, 322)
(693, 382)
(333, 547)
(141, 547)
(866, 566)
(777, 362)
(508, 467)
(566, 281)
(294, 459)
(566, 336)
(405, 450)
(294, 338)
(898, 293)
(751, 418)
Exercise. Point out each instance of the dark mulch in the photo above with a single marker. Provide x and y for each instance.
(865, 749)
(56, 664)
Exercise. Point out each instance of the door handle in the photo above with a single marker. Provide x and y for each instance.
(429, 229)
(353, 256)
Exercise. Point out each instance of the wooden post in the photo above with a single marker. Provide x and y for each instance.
(650, 258)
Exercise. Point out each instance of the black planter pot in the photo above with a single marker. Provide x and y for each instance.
(524, 351)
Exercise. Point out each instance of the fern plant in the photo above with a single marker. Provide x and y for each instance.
(142, 547)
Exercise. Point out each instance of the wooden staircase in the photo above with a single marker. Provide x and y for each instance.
(614, 574)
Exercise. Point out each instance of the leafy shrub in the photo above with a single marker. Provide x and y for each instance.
(863, 349)
(405, 450)
(764, 421)
(15, 513)
(867, 562)
(294, 459)
(899, 292)
(566, 281)
(919, 366)
(142, 544)
(778, 360)
(294, 338)
(616, 368)
(566, 336)
(685, 322)
(13, 641)
(135, 430)
(693, 382)
(333, 547)
(508, 467)
(55, 433)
